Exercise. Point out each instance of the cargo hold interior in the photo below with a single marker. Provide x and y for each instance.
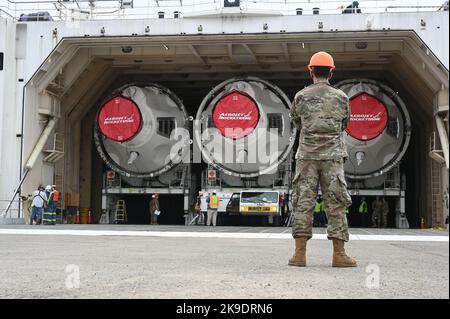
(192, 67)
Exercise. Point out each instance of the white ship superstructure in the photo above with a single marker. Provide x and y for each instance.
(55, 77)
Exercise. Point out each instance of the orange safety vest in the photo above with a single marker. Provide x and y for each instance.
(214, 202)
(55, 196)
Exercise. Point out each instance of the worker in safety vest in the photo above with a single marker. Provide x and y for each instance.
(319, 214)
(213, 205)
(52, 203)
(363, 211)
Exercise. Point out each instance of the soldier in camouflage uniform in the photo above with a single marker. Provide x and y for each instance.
(321, 113)
(377, 212)
(385, 213)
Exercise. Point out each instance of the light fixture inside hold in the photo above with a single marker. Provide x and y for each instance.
(132, 157)
(360, 157)
(127, 49)
(126, 4)
(165, 47)
(361, 45)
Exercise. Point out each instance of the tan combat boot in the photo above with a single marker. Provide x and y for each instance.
(340, 258)
(299, 258)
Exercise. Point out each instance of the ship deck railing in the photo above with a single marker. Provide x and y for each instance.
(79, 10)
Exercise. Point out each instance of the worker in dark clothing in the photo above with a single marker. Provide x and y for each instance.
(37, 206)
(363, 211)
(283, 207)
(154, 209)
(353, 8)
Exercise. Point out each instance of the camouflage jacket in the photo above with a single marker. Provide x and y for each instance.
(154, 205)
(321, 114)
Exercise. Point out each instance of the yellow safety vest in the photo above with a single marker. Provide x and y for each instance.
(363, 207)
(318, 207)
(214, 202)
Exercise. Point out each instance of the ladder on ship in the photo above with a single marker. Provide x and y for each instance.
(120, 215)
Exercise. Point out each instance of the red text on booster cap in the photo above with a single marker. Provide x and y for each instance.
(119, 119)
(235, 115)
(368, 117)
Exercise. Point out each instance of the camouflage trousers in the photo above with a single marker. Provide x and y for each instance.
(385, 219)
(377, 218)
(330, 175)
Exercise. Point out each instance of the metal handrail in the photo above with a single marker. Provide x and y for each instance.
(13, 209)
(111, 9)
(7, 14)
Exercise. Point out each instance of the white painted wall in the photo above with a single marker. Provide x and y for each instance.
(10, 115)
(41, 41)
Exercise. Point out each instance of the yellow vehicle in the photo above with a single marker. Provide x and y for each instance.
(264, 203)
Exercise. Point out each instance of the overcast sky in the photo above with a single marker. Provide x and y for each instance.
(151, 8)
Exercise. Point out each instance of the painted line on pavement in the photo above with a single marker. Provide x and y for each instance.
(72, 232)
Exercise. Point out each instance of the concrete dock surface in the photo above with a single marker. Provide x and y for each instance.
(178, 262)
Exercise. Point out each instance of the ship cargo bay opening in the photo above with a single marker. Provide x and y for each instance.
(83, 72)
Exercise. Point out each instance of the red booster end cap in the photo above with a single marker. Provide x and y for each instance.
(368, 117)
(119, 119)
(236, 115)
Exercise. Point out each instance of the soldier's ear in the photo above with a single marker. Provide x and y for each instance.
(330, 75)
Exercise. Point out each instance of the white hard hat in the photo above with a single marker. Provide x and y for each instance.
(48, 188)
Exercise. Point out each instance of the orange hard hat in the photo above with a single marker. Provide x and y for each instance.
(321, 59)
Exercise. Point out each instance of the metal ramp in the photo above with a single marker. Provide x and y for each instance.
(120, 214)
